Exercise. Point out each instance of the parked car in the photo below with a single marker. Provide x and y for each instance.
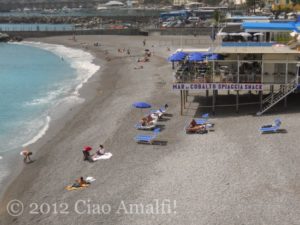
(193, 19)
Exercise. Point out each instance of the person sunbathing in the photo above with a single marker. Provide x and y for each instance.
(194, 128)
(139, 67)
(148, 120)
(143, 121)
(80, 183)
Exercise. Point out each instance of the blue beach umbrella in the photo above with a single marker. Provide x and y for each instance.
(141, 105)
(195, 57)
(176, 57)
(214, 57)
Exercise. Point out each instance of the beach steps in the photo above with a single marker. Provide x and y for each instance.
(274, 98)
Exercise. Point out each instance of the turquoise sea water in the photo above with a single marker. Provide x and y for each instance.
(37, 80)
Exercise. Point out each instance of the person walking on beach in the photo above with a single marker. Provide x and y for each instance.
(26, 153)
(144, 42)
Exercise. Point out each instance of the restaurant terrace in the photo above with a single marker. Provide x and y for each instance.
(238, 66)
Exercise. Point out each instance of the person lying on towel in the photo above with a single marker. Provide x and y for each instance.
(148, 120)
(80, 183)
(194, 128)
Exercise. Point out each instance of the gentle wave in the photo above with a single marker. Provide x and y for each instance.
(78, 59)
(51, 96)
(40, 134)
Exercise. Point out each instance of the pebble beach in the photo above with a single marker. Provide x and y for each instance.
(231, 175)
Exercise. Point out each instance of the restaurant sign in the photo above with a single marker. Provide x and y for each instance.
(217, 86)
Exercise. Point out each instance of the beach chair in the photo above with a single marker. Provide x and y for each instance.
(203, 120)
(139, 126)
(202, 130)
(160, 112)
(271, 128)
(147, 139)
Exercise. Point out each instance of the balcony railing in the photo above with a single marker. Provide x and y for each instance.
(247, 44)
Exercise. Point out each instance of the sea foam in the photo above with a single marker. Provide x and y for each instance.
(83, 64)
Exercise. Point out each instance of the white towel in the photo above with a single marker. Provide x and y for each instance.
(107, 155)
(90, 179)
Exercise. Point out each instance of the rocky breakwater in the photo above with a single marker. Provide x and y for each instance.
(52, 19)
(5, 38)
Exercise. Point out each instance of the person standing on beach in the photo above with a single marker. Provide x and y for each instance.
(144, 42)
(26, 153)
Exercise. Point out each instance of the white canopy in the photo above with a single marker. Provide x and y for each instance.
(258, 34)
(245, 34)
(189, 50)
(114, 3)
(222, 34)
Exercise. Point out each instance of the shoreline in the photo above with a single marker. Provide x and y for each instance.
(231, 175)
(52, 127)
(88, 92)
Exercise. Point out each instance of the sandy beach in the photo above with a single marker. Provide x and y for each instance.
(232, 175)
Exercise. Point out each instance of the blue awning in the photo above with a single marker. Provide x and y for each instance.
(290, 26)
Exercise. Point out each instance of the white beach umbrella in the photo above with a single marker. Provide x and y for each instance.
(293, 34)
(245, 34)
(258, 34)
(234, 34)
(222, 34)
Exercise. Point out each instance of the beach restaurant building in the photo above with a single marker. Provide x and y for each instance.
(262, 66)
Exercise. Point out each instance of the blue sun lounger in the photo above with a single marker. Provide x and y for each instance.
(202, 120)
(271, 128)
(147, 139)
(139, 126)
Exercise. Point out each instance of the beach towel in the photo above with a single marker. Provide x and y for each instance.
(70, 188)
(107, 155)
(90, 179)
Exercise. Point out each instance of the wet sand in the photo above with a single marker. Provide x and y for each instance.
(232, 175)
